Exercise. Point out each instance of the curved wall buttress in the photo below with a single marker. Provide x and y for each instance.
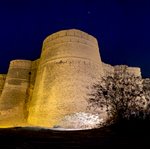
(14, 95)
(69, 64)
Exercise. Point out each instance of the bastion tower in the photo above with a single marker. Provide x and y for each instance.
(43, 92)
(70, 62)
(14, 97)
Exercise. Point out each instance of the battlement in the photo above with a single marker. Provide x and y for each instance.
(134, 70)
(20, 64)
(70, 43)
(110, 70)
(56, 40)
(73, 35)
(131, 70)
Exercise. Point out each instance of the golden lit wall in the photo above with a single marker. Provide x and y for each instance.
(109, 70)
(69, 64)
(44, 91)
(14, 96)
(131, 70)
(2, 81)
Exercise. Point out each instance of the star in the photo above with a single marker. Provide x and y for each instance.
(89, 12)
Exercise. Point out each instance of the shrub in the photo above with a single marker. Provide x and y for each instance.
(123, 96)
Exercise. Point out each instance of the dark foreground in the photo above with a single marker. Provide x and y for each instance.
(126, 136)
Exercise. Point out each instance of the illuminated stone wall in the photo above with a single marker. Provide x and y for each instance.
(2, 81)
(69, 64)
(108, 69)
(43, 92)
(134, 70)
(14, 96)
(131, 70)
(32, 77)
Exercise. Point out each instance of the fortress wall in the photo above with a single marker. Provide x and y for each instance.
(65, 74)
(62, 44)
(131, 70)
(50, 88)
(14, 96)
(32, 77)
(67, 33)
(2, 81)
(108, 69)
(134, 70)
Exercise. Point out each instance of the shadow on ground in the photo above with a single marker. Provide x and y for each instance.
(135, 135)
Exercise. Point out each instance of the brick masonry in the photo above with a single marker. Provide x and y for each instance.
(44, 91)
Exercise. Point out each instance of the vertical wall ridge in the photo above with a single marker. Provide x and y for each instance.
(14, 95)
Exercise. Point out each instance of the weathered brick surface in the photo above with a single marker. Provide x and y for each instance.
(131, 70)
(14, 96)
(108, 69)
(44, 91)
(2, 81)
(69, 64)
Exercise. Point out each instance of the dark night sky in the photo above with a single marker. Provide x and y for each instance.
(122, 28)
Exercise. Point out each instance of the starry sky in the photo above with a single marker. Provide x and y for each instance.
(122, 28)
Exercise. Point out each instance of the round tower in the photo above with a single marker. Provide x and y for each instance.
(14, 95)
(70, 62)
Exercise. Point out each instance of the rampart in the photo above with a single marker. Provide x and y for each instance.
(134, 70)
(131, 70)
(14, 96)
(108, 69)
(44, 91)
(69, 64)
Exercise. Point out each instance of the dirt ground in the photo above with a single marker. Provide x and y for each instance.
(107, 137)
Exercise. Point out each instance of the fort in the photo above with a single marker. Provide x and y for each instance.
(42, 92)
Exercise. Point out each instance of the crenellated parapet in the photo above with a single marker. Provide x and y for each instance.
(135, 71)
(68, 43)
(72, 35)
(20, 64)
(110, 70)
(119, 69)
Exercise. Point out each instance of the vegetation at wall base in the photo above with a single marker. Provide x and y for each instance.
(124, 97)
